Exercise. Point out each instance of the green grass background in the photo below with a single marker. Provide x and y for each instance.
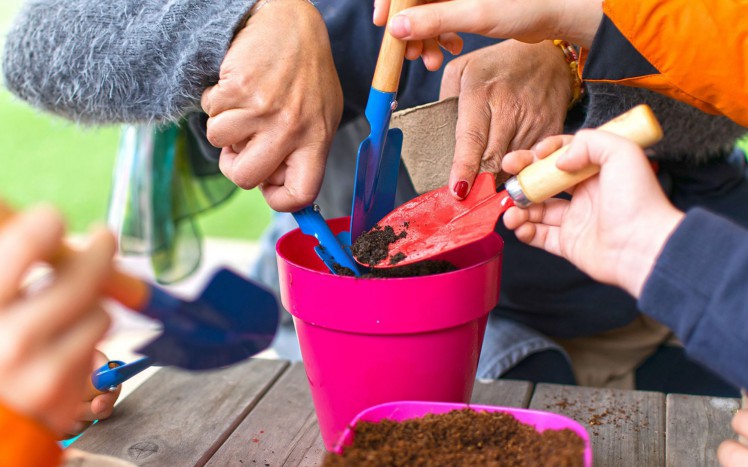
(44, 158)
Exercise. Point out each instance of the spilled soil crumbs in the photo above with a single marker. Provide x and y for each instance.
(459, 438)
(373, 246)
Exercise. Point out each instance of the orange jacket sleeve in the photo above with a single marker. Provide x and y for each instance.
(24, 442)
(695, 51)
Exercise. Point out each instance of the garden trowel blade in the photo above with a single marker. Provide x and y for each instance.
(232, 319)
(436, 222)
(377, 165)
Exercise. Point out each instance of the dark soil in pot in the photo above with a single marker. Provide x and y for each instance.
(373, 246)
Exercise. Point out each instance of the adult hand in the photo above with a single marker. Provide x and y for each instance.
(528, 21)
(47, 339)
(512, 95)
(428, 48)
(93, 406)
(730, 452)
(616, 223)
(277, 104)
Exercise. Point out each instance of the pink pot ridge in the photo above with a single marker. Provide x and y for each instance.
(369, 341)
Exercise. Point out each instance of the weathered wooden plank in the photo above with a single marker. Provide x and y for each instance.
(695, 427)
(626, 427)
(181, 418)
(280, 430)
(310, 450)
(502, 392)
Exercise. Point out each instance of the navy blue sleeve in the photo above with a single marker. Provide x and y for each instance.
(355, 47)
(699, 288)
(612, 57)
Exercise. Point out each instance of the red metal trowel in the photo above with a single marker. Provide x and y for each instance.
(436, 222)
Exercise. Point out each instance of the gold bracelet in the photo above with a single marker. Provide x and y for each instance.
(572, 59)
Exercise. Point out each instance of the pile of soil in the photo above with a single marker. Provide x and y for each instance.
(459, 438)
(373, 246)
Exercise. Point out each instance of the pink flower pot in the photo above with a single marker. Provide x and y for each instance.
(369, 341)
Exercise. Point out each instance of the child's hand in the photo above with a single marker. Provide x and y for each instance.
(731, 453)
(428, 47)
(47, 339)
(616, 223)
(94, 405)
(527, 20)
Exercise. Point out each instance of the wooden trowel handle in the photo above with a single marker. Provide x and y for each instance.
(392, 53)
(125, 289)
(543, 179)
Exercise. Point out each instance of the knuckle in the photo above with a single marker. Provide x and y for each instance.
(436, 23)
(260, 104)
(491, 164)
(473, 137)
(451, 71)
(243, 182)
(290, 120)
(242, 178)
(213, 135)
(13, 351)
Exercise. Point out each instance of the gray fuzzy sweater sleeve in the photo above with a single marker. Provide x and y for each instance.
(102, 61)
(690, 134)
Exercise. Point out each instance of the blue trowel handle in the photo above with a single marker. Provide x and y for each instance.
(115, 372)
(330, 249)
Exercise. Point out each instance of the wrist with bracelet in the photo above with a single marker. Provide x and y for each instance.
(572, 59)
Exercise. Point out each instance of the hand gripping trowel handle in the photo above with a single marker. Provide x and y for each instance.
(391, 53)
(542, 179)
(124, 288)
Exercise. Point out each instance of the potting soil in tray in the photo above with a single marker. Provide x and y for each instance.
(459, 438)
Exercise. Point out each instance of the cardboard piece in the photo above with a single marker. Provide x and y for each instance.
(428, 142)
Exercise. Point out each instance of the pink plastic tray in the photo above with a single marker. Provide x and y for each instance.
(399, 411)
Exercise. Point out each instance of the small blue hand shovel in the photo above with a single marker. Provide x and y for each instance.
(231, 320)
(333, 250)
(378, 161)
(115, 372)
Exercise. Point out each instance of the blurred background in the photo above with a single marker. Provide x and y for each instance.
(46, 158)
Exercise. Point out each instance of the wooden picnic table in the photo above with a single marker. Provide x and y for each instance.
(260, 413)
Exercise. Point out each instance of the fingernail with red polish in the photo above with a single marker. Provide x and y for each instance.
(461, 189)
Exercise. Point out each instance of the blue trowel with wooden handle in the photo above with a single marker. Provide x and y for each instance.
(378, 161)
(231, 320)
